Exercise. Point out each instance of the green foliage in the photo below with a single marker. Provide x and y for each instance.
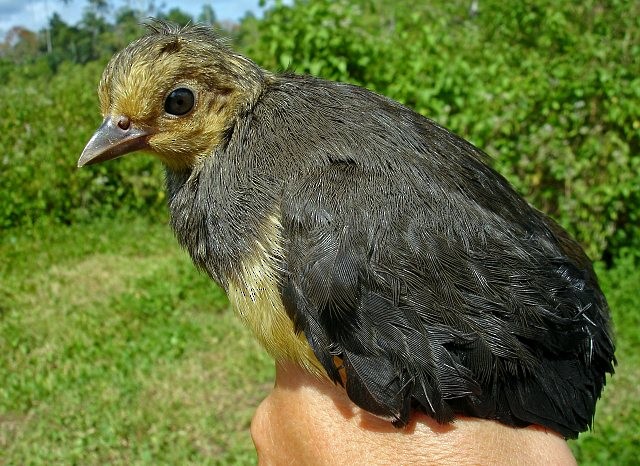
(74, 43)
(50, 118)
(177, 16)
(550, 89)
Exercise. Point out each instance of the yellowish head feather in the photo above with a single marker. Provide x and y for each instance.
(138, 79)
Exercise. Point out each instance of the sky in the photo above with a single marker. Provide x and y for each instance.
(33, 14)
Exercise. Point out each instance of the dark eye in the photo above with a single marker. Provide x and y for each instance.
(179, 102)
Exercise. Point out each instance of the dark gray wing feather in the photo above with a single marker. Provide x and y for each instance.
(441, 305)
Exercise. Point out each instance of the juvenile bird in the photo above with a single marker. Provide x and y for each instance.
(361, 240)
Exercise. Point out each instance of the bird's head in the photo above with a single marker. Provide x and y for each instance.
(174, 93)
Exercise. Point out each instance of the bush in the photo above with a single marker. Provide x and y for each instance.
(50, 118)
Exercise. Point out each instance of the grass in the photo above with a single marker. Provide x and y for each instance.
(113, 349)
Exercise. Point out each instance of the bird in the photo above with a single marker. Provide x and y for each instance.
(360, 240)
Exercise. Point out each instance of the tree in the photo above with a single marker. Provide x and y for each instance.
(19, 44)
(176, 15)
(207, 15)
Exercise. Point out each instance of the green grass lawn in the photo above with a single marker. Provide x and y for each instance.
(113, 349)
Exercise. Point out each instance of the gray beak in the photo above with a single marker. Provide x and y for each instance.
(115, 138)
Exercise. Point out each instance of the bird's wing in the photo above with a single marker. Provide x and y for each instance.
(419, 295)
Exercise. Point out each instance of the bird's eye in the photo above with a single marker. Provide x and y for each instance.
(179, 102)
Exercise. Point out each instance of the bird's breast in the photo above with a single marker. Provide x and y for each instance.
(236, 237)
(254, 293)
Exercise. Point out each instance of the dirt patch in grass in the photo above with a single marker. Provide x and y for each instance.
(10, 426)
(90, 280)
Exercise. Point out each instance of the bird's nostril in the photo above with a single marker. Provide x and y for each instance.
(124, 123)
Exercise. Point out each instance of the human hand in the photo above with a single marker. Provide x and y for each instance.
(307, 421)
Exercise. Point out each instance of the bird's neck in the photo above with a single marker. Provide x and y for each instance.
(227, 219)
(222, 217)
